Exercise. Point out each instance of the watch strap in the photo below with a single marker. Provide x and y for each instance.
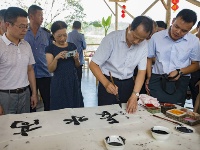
(136, 93)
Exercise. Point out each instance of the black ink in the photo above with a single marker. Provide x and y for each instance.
(109, 117)
(25, 127)
(115, 144)
(184, 129)
(74, 119)
(160, 132)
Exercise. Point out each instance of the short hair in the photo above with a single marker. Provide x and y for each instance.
(187, 15)
(155, 25)
(198, 24)
(161, 24)
(145, 21)
(57, 26)
(12, 13)
(33, 8)
(77, 25)
(2, 13)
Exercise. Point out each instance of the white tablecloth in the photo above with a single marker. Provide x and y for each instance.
(55, 134)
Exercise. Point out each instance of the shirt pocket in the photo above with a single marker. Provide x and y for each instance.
(183, 55)
(42, 48)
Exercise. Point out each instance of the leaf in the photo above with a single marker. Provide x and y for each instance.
(103, 22)
(96, 24)
(108, 21)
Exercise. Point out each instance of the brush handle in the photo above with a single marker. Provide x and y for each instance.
(111, 78)
(168, 120)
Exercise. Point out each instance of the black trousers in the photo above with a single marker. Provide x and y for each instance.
(125, 89)
(195, 76)
(43, 85)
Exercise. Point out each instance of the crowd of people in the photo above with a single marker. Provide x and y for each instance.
(146, 55)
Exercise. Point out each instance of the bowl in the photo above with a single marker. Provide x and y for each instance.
(115, 142)
(160, 133)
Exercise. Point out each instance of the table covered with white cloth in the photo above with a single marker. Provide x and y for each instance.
(85, 129)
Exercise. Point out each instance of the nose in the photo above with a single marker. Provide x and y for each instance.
(136, 41)
(178, 31)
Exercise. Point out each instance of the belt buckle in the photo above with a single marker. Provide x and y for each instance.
(17, 90)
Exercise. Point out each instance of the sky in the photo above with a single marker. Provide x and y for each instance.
(97, 9)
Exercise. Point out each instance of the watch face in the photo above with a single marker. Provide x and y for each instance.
(137, 94)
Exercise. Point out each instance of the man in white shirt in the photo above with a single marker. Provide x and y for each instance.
(119, 53)
(16, 60)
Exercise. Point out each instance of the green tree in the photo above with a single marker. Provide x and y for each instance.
(104, 23)
(66, 10)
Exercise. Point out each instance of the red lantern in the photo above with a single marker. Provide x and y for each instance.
(175, 2)
(124, 6)
(175, 7)
(123, 11)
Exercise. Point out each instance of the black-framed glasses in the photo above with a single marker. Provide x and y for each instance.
(21, 26)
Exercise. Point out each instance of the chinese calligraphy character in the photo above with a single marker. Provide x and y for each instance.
(109, 117)
(74, 119)
(25, 127)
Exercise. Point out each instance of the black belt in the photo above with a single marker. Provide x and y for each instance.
(116, 79)
(16, 91)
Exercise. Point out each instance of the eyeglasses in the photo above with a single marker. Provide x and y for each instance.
(21, 26)
(60, 35)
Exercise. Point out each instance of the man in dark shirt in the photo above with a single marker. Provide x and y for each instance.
(39, 38)
(78, 39)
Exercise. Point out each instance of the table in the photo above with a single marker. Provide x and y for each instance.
(54, 134)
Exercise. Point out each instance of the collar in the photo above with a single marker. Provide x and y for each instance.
(185, 37)
(8, 42)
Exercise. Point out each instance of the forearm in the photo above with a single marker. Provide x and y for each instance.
(1, 110)
(32, 81)
(53, 65)
(191, 68)
(149, 67)
(77, 62)
(98, 73)
(139, 81)
(197, 103)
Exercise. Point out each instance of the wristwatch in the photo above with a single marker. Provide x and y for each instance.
(179, 72)
(136, 93)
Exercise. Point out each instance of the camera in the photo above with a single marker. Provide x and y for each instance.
(70, 53)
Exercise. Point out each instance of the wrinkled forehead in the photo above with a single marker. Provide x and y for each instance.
(139, 32)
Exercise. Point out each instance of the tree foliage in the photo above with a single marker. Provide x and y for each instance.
(104, 23)
(66, 10)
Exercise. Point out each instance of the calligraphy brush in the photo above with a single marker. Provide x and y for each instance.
(117, 96)
(168, 120)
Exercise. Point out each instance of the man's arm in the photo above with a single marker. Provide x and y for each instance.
(32, 81)
(1, 110)
(83, 42)
(110, 88)
(149, 71)
(139, 81)
(187, 70)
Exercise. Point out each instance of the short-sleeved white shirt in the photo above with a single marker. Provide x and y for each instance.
(14, 61)
(115, 56)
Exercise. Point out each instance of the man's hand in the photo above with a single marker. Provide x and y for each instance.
(34, 100)
(132, 104)
(173, 74)
(1, 110)
(112, 89)
(147, 86)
